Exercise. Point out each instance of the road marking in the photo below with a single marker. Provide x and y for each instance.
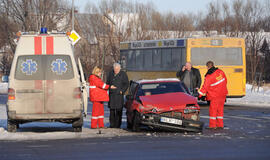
(265, 118)
(246, 118)
(236, 117)
(39, 146)
(239, 117)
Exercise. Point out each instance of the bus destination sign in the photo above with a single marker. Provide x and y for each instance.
(158, 43)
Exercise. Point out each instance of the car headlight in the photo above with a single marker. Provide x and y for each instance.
(194, 117)
(191, 109)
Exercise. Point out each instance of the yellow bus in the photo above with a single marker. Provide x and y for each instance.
(153, 59)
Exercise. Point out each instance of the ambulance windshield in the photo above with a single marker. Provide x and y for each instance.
(44, 67)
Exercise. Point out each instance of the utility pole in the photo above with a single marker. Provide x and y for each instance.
(72, 14)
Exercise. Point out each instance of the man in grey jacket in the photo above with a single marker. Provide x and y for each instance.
(191, 77)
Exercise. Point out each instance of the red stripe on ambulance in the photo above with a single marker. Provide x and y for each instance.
(38, 51)
(49, 83)
(38, 45)
(49, 45)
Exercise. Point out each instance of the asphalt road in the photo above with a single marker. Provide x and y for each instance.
(246, 136)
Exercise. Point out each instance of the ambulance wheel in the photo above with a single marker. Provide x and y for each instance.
(11, 126)
(77, 129)
(77, 125)
(136, 122)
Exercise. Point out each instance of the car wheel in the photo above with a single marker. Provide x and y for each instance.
(129, 124)
(11, 126)
(136, 122)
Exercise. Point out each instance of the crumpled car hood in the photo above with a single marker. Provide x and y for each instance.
(177, 99)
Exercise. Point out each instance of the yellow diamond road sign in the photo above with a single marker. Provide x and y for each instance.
(74, 37)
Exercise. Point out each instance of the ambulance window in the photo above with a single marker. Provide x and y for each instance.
(44, 67)
(59, 67)
(29, 68)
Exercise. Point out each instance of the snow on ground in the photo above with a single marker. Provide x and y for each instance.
(3, 88)
(259, 97)
(55, 130)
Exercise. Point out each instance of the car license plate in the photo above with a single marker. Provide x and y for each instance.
(171, 120)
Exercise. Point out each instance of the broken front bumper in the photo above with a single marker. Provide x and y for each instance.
(170, 123)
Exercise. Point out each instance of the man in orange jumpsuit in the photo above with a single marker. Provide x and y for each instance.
(215, 90)
(98, 94)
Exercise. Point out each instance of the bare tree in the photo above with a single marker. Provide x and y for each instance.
(29, 15)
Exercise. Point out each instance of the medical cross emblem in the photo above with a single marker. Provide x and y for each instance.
(29, 67)
(59, 66)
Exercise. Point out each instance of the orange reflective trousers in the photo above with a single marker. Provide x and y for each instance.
(216, 112)
(97, 115)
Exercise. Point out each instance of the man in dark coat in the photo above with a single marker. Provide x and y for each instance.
(191, 77)
(119, 80)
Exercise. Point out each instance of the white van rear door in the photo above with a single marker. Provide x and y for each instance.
(62, 92)
(29, 84)
(84, 89)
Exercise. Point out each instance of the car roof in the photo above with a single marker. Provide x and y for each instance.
(159, 80)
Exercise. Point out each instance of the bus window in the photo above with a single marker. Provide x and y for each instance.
(139, 60)
(176, 58)
(156, 59)
(166, 58)
(147, 59)
(130, 60)
(221, 56)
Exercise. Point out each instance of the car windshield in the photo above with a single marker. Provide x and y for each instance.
(160, 88)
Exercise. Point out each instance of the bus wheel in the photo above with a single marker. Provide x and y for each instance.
(11, 126)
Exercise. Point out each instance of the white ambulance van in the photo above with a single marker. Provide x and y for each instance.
(45, 82)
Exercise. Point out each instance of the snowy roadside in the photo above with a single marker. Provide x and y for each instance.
(258, 98)
(3, 88)
(55, 130)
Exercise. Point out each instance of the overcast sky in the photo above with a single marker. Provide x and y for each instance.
(164, 6)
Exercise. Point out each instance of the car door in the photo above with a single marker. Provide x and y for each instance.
(131, 94)
(60, 86)
(29, 84)
(130, 100)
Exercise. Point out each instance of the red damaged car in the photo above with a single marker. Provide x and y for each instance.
(162, 104)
